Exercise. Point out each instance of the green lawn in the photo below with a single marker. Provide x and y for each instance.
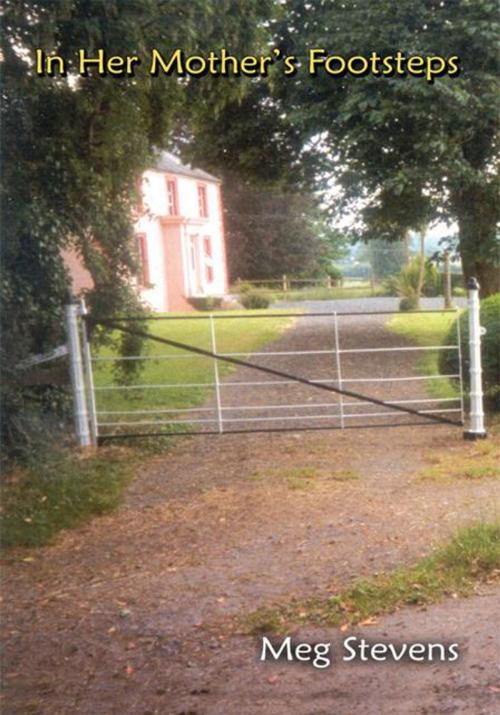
(428, 329)
(243, 335)
(355, 290)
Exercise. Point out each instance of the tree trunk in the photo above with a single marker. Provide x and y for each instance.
(421, 269)
(477, 211)
(447, 292)
(487, 274)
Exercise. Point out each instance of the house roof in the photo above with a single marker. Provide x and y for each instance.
(171, 164)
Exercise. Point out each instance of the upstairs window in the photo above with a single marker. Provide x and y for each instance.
(172, 205)
(142, 243)
(207, 247)
(202, 201)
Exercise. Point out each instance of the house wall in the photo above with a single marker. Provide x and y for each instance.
(176, 248)
(172, 241)
(156, 295)
(80, 276)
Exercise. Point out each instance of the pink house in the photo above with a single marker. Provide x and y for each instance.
(180, 237)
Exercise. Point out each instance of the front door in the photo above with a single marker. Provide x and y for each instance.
(195, 278)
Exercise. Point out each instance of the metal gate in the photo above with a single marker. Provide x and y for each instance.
(248, 390)
(311, 377)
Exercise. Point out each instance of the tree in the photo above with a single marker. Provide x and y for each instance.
(73, 148)
(386, 258)
(271, 232)
(414, 151)
(272, 217)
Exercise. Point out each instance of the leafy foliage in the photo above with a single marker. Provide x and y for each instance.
(405, 283)
(271, 232)
(58, 490)
(471, 556)
(73, 147)
(386, 257)
(409, 150)
(208, 302)
(273, 221)
(255, 299)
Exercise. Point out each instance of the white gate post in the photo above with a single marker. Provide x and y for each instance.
(71, 312)
(89, 376)
(216, 374)
(476, 422)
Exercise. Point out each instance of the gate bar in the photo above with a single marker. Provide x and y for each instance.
(216, 375)
(240, 383)
(231, 316)
(339, 372)
(124, 435)
(243, 363)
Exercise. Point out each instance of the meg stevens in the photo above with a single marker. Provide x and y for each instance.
(320, 655)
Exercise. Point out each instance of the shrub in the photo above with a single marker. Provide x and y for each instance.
(405, 283)
(334, 273)
(244, 287)
(205, 302)
(408, 303)
(255, 299)
(490, 342)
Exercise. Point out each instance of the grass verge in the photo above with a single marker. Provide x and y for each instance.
(58, 489)
(427, 329)
(319, 293)
(62, 489)
(466, 460)
(302, 478)
(471, 557)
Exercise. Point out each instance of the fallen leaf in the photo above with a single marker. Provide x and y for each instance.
(369, 621)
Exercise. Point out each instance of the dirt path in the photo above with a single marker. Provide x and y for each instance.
(128, 614)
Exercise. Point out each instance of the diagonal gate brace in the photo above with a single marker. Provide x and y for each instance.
(278, 373)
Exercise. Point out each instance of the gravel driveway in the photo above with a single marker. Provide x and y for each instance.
(134, 612)
(254, 400)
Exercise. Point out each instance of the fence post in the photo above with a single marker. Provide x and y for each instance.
(80, 413)
(284, 282)
(476, 415)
